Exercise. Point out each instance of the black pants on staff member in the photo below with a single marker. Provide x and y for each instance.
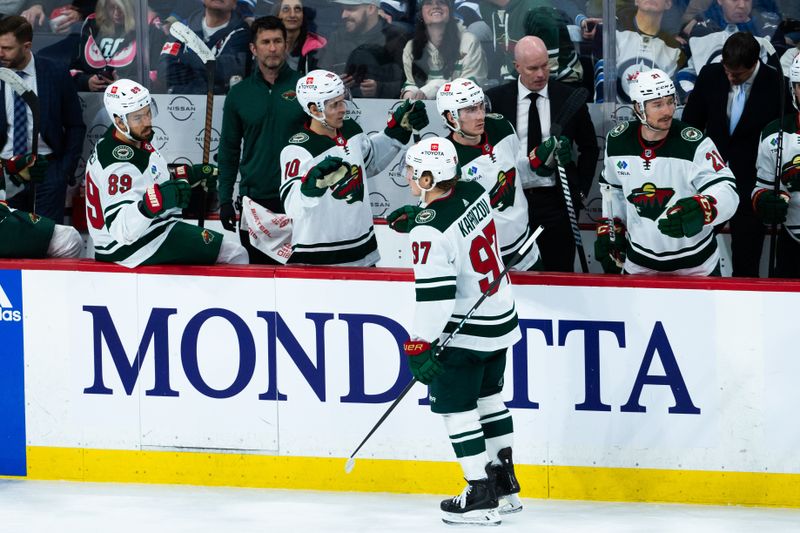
(547, 208)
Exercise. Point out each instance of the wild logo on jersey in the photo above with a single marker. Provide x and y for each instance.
(207, 236)
(790, 173)
(502, 194)
(650, 201)
(350, 189)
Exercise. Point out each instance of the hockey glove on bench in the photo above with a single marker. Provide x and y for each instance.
(321, 176)
(408, 116)
(160, 197)
(688, 216)
(771, 208)
(610, 255)
(422, 360)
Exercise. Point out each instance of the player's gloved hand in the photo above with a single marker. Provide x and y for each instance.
(160, 197)
(422, 360)
(611, 255)
(198, 175)
(408, 116)
(324, 174)
(502, 194)
(402, 220)
(18, 168)
(542, 158)
(564, 151)
(38, 170)
(771, 208)
(227, 216)
(351, 187)
(688, 216)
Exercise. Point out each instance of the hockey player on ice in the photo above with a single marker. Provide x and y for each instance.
(487, 147)
(324, 169)
(783, 208)
(665, 187)
(133, 207)
(456, 257)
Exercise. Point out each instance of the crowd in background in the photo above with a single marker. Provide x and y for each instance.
(394, 48)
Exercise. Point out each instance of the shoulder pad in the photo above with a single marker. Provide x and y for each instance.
(299, 138)
(691, 134)
(621, 127)
(425, 216)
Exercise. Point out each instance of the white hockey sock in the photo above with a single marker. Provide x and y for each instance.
(497, 425)
(231, 251)
(466, 436)
(65, 242)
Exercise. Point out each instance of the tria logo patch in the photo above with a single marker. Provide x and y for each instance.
(650, 201)
(7, 311)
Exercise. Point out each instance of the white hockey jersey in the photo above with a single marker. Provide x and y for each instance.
(117, 176)
(638, 52)
(646, 181)
(456, 257)
(790, 162)
(329, 230)
(493, 162)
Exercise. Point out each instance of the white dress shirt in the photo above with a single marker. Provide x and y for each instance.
(30, 81)
(528, 177)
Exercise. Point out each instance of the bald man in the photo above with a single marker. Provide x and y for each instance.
(546, 203)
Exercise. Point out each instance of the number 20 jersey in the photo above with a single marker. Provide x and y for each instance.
(456, 256)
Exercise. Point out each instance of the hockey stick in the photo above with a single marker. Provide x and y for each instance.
(14, 81)
(568, 110)
(185, 35)
(351, 462)
(773, 238)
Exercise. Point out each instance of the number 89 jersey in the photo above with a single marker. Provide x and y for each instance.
(456, 257)
(117, 176)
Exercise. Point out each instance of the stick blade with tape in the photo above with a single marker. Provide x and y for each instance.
(184, 34)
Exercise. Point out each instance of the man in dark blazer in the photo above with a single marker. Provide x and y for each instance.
(732, 101)
(546, 203)
(61, 125)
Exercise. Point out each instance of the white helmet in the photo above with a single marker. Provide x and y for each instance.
(436, 155)
(122, 97)
(456, 95)
(648, 85)
(794, 77)
(318, 87)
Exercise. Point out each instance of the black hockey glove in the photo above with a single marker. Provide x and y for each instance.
(227, 216)
(408, 116)
(771, 208)
(422, 360)
(688, 216)
(161, 197)
(402, 220)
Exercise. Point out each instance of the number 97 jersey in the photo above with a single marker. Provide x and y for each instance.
(456, 257)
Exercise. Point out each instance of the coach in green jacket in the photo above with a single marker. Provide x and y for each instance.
(262, 111)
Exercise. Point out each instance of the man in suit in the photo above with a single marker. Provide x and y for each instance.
(547, 206)
(61, 126)
(732, 102)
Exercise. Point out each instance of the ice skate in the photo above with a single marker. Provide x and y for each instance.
(476, 505)
(506, 485)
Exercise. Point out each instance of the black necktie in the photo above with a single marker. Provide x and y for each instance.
(534, 126)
